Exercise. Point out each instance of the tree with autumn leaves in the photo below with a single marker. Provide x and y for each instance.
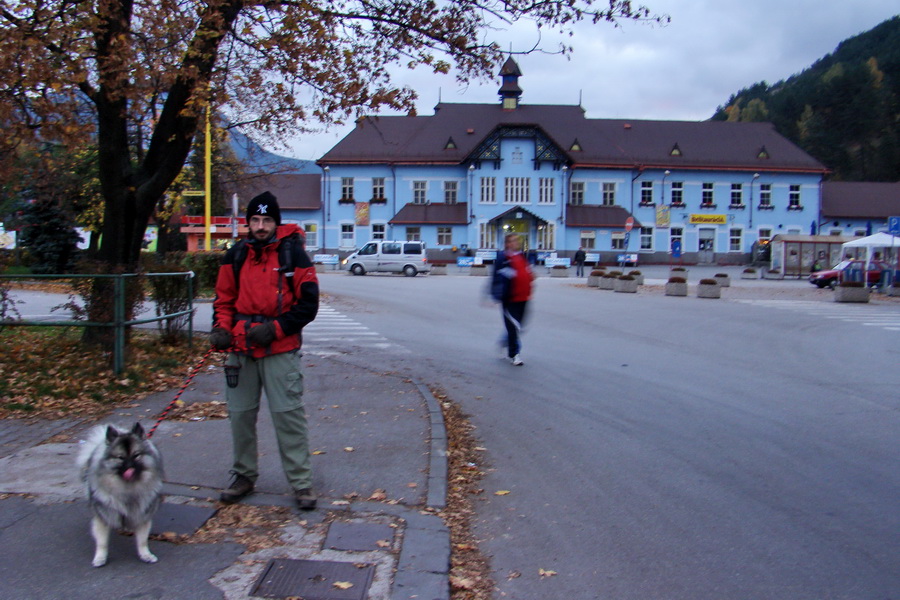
(134, 78)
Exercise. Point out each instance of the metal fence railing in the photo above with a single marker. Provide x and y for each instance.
(118, 323)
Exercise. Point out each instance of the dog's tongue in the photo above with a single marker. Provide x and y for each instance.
(128, 475)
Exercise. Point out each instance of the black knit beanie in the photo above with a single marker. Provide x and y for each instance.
(265, 205)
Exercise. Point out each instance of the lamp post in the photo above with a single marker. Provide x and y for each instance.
(327, 208)
(752, 182)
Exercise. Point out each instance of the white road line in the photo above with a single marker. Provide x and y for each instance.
(866, 315)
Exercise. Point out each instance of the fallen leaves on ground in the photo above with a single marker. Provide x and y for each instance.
(256, 527)
(199, 411)
(48, 373)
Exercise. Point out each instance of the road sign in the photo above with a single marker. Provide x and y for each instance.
(629, 223)
(894, 225)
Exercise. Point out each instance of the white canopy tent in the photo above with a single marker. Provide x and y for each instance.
(886, 244)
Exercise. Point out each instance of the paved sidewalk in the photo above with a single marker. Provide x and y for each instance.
(379, 466)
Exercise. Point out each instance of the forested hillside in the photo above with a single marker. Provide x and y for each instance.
(844, 109)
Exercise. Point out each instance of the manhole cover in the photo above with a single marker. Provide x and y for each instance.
(359, 537)
(182, 519)
(314, 580)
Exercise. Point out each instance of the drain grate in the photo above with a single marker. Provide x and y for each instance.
(359, 537)
(183, 519)
(314, 580)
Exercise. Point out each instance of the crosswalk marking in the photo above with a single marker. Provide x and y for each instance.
(335, 333)
(864, 314)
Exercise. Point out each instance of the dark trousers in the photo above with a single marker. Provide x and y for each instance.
(513, 318)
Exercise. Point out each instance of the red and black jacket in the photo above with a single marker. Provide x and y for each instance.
(255, 285)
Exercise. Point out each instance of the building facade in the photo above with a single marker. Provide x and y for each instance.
(704, 192)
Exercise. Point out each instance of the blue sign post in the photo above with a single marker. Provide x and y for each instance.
(894, 225)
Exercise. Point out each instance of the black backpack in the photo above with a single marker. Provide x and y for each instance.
(291, 253)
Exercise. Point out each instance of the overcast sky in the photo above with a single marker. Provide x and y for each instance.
(680, 71)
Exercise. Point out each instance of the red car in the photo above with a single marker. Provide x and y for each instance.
(831, 277)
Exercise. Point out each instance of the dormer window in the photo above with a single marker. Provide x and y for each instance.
(763, 154)
(675, 151)
(576, 146)
(450, 145)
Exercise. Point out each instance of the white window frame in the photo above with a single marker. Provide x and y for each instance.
(576, 193)
(794, 196)
(379, 231)
(707, 194)
(488, 191)
(765, 194)
(617, 241)
(609, 193)
(346, 188)
(677, 191)
(737, 194)
(646, 192)
(546, 190)
(445, 236)
(735, 239)
(646, 234)
(517, 190)
(413, 233)
(487, 236)
(378, 186)
(676, 233)
(588, 239)
(451, 192)
(546, 236)
(420, 191)
(764, 234)
(311, 233)
(348, 234)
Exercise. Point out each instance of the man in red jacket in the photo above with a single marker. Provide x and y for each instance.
(511, 286)
(266, 292)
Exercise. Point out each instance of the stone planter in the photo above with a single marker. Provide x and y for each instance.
(773, 275)
(678, 272)
(607, 282)
(638, 276)
(723, 279)
(709, 290)
(627, 286)
(554, 272)
(749, 275)
(676, 288)
(593, 280)
(893, 291)
(320, 268)
(478, 270)
(851, 294)
(438, 269)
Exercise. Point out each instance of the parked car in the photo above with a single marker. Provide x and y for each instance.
(831, 277)
(390, 257)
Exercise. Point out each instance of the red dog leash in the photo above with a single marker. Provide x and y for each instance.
(181, 391)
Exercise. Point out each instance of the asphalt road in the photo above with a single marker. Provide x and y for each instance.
(670, 448)
(657, 447)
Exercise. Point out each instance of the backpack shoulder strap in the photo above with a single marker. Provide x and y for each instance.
(239, 255)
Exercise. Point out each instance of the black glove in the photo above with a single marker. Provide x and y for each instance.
(220, 339)
(261, 335)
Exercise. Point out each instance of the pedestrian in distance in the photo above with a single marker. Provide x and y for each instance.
(511, 287)
(266, 292)
(578, 259)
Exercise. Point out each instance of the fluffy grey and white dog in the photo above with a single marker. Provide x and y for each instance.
(123, 473)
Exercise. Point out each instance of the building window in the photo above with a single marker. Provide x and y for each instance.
(546, 236)
(348, 235)
(378, 231)
(488, 193)
(737, 195)
(576, 193)
(707, 198)
(587, 239)
(618, 240)
(646, 193)
(413, 234)
(765, 195)
(835, 231)
(546, 187)
(487, 236)
(735, 239)
(794, 198)
(420, 192)
(450, 192)
(676, 234)
(311, 233)
(609, 194)
(445, 236)
(346, 189)
(646, 238)
(517, 190)
(677, 193)
(765, 235)
(378, 188)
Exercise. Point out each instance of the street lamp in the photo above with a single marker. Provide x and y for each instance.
(752, 181)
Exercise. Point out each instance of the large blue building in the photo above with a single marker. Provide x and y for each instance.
(462, 177)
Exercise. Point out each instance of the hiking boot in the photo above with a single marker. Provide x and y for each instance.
(306, 498)
(240, 487)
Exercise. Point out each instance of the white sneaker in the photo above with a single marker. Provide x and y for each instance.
(516, 361)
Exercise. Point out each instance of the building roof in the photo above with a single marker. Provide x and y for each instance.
(294, 191)
(611, 143)
(860, 200)
(432, 214)
(587, 215)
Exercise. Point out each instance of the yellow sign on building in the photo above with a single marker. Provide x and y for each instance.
(709, 219)
(663, 218)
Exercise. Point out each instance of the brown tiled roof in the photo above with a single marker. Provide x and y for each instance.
(616, 143)
(434, 214)
(518, 209)
(294, 191)
(585, 215)
(860, 200)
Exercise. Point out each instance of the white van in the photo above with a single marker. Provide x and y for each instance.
(389, 257)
